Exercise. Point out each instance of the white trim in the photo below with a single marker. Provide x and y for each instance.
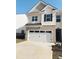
(47, 6)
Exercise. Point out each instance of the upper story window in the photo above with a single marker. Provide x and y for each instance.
(58, 18)
(34, 18)
(48, 17)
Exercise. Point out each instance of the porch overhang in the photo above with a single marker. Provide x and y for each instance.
(33, 25)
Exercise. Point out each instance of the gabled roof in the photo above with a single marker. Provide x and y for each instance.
(47, 7)
(39, 6)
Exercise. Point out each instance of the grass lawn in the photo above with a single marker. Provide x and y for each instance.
(19, 40)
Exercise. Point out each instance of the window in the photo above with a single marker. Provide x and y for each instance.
(42, 31)
(31, 31)
(58, 18)
(37, 31)
(48, 32)
(48, 17)
(34, 18)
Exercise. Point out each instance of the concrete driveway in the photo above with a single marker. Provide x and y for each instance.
(33, 50)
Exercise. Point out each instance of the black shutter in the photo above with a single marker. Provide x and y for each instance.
(33, 18)
(51, 17)
(45, 17)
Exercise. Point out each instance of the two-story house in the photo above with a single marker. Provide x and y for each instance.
(41, 24)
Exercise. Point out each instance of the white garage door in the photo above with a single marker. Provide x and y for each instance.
(40, 36)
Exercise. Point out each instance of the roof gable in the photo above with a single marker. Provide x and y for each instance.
(40, 6)
(48, 6)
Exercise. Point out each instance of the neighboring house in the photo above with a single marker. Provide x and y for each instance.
(20, 33)
(59, 26)
(19, 30)
(21, 20)
(41, 24)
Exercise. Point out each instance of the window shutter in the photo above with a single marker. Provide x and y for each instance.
(36, 18)
(33, 18)
(45, 17)
(51, 17)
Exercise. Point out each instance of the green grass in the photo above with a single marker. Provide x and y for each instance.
(19, 40)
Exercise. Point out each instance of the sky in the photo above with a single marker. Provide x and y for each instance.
(23, 6)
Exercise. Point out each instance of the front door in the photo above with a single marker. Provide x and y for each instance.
(58, 35)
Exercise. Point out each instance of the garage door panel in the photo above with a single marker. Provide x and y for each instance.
(33, 36)
(49, 37)
(40, 36)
